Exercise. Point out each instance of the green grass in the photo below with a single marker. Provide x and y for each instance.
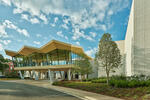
(9, 78)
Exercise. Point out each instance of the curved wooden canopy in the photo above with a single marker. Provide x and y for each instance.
(50, 46)
(11, 53)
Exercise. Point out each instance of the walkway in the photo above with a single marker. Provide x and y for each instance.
(74, 92)
(17, 90)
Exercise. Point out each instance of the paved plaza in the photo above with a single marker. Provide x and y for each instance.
(10, 90)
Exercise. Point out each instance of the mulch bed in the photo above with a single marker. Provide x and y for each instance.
(101, 88)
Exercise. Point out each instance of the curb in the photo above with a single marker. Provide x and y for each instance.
(78, 96)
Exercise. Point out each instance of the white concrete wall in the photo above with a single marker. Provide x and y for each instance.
(137, 42)
(141, 37)
(121, 46)
(129, 42)
(94, 69)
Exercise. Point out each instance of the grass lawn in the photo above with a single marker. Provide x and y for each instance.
(9, 78)
(139, 93)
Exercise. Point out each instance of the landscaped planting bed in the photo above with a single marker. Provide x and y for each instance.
(126, 88)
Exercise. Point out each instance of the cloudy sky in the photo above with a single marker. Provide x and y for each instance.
(79, 22)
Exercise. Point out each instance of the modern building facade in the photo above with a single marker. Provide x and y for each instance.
(137, 41)
(135, 49)
(51, 60)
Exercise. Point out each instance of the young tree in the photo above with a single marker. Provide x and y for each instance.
(84, 67)
(3, 64)
(108, 55)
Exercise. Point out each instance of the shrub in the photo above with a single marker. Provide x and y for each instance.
(119, 83)
(86, 80)
(119, 77)
(129, 83)
(99, 81)
(12, 75)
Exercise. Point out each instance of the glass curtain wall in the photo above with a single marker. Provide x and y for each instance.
(55, 57)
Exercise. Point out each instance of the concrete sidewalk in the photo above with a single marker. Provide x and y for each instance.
(75, 92)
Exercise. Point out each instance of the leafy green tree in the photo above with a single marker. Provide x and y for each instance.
(84, 67)
(3, 64)
(108, 55)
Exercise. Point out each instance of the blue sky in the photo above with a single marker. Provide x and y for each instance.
(79, 22)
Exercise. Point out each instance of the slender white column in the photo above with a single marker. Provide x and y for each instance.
(50, 76)
(32, 73)
(69, 74)
(37, 76)
(21, 76)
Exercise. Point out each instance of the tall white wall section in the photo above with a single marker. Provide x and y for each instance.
(142, 37)
(137, 41)
(129, 42)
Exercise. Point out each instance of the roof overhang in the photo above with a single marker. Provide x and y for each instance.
(50, 46)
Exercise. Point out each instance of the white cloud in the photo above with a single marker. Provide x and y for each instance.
(78, 43)
(6, 2)
(103, 27)
(1, 47)
(66, 20)
(59, 33)
(8, 24)
(43, 17)
(36, 42)
(93, 34)
(91, 52)
(53, 25)
(92, 13)
(77, 34)
(3, 33)
(32, 20)
(24, 16)
(110, 12)
(5, 42)
(17, 10)
(66, 37)
(23, 31)
(65, 26)
(38, 35)
(55, 19)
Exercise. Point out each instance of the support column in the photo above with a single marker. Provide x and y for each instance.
(69, 74)
(30, 74)
(47, 59)
(37, 76)
(45, 75)
(34, 74)
(21, 76)
(50, 76)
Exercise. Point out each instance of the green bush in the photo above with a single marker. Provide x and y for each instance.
(119, 77)
(128, 83)
(86, 80)
(13, 74)
(99, 81)
(119, 83)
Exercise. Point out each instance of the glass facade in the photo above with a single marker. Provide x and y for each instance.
(55, 57)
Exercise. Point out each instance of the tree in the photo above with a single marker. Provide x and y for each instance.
(84, 67)
(108, 55)
(3, 64)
